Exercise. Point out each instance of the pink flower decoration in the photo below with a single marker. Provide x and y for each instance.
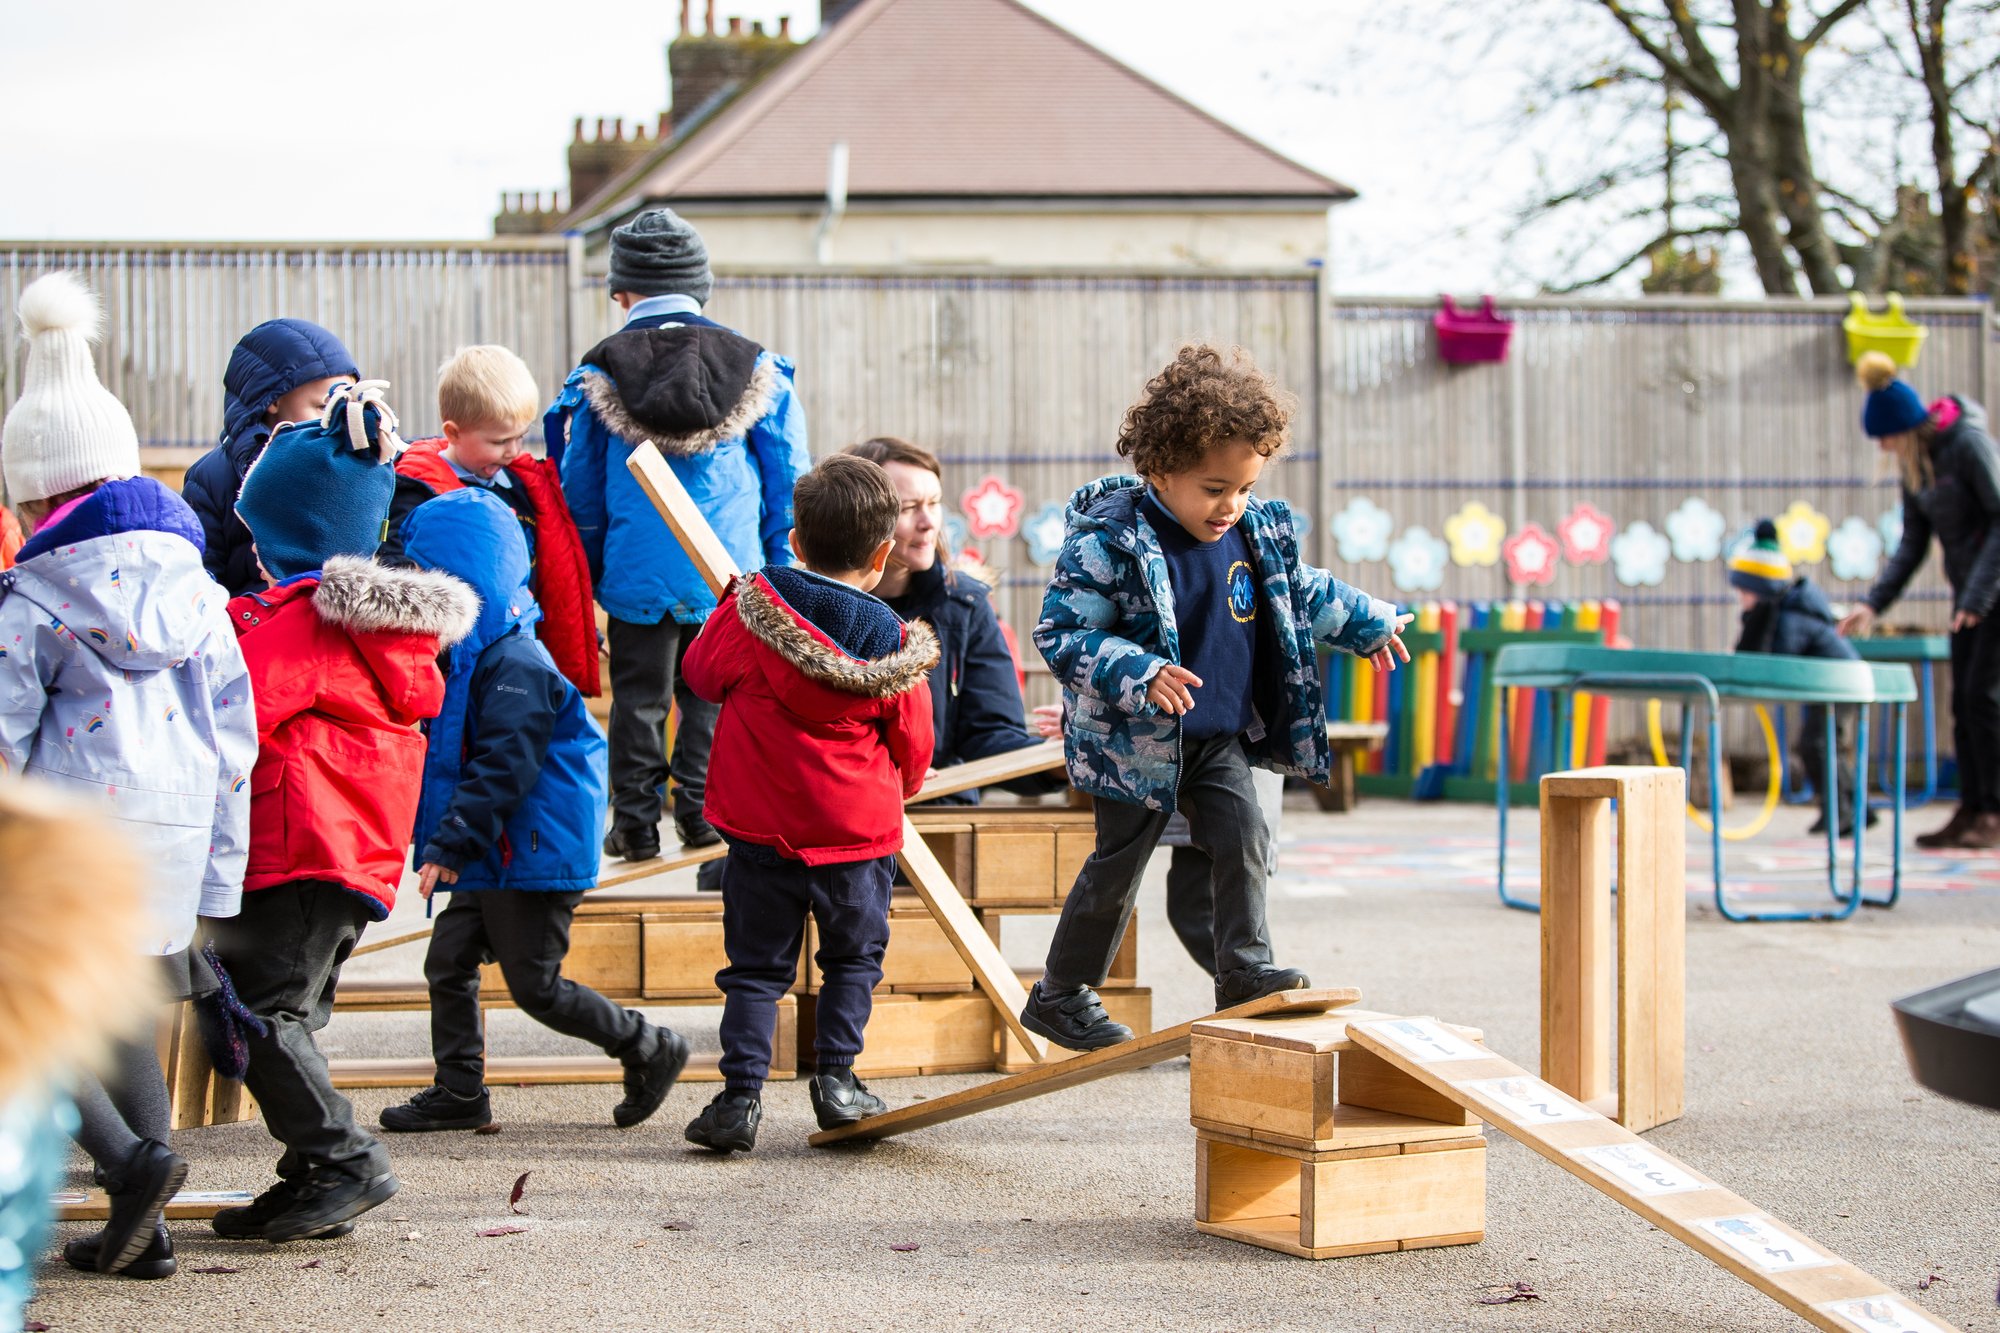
(992, 508)
(1586, 536)
(1531, 555)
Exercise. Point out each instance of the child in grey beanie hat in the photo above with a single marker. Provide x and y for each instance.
(659, 254)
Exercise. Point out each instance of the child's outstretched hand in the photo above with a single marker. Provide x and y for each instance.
(1384, 659)
(1169, 690)
(428, 877)
(1047, 721)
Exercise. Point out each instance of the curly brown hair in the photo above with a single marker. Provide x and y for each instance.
(1204, 397)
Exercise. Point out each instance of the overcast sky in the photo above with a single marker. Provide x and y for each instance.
(242, 119)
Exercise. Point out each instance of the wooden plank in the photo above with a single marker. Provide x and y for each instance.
(1652, 951)
(994, 768)
(1054, 1076)
(1720, 1226)
(504, 1071)
(95, 1206)
(1576, 942)
(690, 526)
(968, 936)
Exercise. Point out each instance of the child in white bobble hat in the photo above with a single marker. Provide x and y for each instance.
(120, 679)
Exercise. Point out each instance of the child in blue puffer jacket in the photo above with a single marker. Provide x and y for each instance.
(508, 823)
(1181, 623)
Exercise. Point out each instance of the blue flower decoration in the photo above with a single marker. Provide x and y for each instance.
(1417, 560)
(956, 533)
(1890, 525)
(1362, 530)
(1696, 531)
(1855, 549)
(1639, 555)
(1044, 533)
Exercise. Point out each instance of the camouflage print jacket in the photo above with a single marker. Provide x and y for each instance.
(1108, 627)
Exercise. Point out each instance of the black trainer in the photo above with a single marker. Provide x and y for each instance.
(249, 1221)
(839, 1098)
(149, 1177)
(650, 1078)
(326, 1198)
(729, 1123)
(1244, 984)
(438, 1108)
(155, 1261)
(637, 844)
(708, 876)
(1074, 1020)
(695, 832)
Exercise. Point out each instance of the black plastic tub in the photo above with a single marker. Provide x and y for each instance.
(1951, 1050)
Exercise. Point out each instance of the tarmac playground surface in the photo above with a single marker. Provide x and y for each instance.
(1075, 1210)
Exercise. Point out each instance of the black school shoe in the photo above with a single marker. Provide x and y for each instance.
(154, 1262)
(249, 1221)
(695, 832)
(729, 1123)
(1846, 823)
(149, 1178)
(438, 1108)
(326, 1198)
(1074, 1020)
(1244, 984)
(649, 1079)
(638, 844)
(839, 1098)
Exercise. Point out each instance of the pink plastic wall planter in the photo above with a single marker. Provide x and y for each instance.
(1467, 339)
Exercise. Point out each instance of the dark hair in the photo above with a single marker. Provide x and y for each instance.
(841, 511)
(886, 449)
(1204, 397)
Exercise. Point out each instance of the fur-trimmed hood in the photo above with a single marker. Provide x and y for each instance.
(685, 387)
(816, 656)
(364, 597)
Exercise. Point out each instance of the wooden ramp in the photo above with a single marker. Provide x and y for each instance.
(95, 1206)
(1726, 1229)
(1055, 1075)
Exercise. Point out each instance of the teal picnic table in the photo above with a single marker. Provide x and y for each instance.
(1710, 679)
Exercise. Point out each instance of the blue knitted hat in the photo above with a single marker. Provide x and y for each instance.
(1762, 568)
(323, 488)
(1892, 406)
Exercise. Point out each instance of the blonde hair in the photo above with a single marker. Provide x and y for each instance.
(487, 385)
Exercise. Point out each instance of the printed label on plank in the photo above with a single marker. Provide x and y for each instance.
(1882, 1314)
(1757, 1238)
(1426, 1040)
(1529, 1101)
(1641, 1170)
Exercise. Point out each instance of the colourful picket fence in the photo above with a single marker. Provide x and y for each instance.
(1443, 712)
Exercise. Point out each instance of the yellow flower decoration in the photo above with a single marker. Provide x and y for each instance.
(1474, 533)
(1802, 532)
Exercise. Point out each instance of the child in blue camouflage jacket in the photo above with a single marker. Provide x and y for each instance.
(1181, 624)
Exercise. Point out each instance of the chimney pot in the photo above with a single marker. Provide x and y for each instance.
(735, 25)
(687, 16)
(618, 129)
(666, 124)
(757, 28)
(785, 26)
(710, 7)
(577, 134)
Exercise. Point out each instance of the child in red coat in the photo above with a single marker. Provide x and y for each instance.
(342, 654)
(825, 731)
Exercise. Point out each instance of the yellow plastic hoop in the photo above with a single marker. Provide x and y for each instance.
(1763, 818)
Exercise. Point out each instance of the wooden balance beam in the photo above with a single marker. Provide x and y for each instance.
(926, 876)
(1055, 1075)
(1820, 1287)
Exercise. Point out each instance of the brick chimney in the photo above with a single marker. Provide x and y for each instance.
(529, 212)
(702, 64)
(595, 159)
(833, 11)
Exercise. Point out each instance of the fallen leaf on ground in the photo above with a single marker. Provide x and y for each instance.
(1923, 1284)
(904, 1246)
(487, 1129)
(310, 1263)
(34, 1326)
(678, 1224)
(503, 1231)
(514, 1196)
(1511, 1293)
(216, 1268)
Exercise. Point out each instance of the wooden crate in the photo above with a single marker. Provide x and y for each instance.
(909, 1035)
(920, 960)
(1325, 1205)
(196, 1094)
(1009, 856)
(1130, 1005)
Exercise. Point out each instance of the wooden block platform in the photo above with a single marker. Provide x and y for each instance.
(95, 1206)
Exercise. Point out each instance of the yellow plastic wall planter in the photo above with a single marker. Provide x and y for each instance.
(1892, 332)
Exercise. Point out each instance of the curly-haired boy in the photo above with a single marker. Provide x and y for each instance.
(1181, 624)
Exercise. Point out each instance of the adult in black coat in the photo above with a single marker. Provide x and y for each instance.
(1951, 491)
(282, 370)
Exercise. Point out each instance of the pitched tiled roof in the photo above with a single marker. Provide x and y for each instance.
(960, 98)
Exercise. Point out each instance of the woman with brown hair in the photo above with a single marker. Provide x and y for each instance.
(1951, 489)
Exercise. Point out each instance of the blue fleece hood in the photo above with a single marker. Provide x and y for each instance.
(270, 361)
(474, 537)
(136, 504)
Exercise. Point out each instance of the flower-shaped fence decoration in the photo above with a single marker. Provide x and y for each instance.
(992, 508)
(1890, 525)
(1695, 530)
(1362, 530)
(956, 534)
(1802, 532)
(1044, 533)
(1474, 534)
(1531, 555)
(1855, 549)
(1639, 556)
(1586, 535)
(1417, 560)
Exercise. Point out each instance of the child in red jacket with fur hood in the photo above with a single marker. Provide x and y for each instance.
(342, 653)
(825, 731)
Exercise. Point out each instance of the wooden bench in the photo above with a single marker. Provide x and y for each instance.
(1348, 739)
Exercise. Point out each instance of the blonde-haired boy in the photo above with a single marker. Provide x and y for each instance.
(487, 400)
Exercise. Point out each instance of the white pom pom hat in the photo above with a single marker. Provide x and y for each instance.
(66, 430)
